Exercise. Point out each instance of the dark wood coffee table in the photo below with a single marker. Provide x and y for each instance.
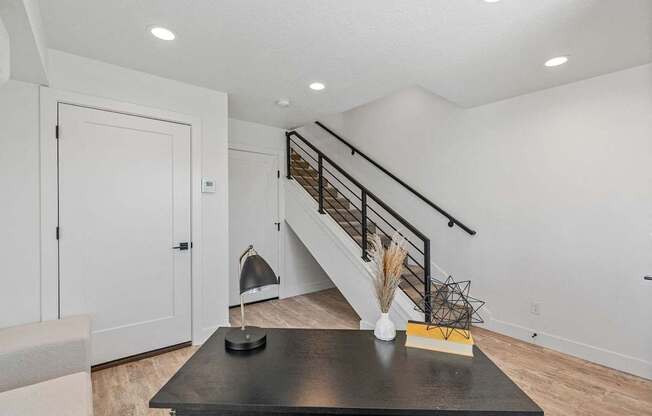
(338, 372)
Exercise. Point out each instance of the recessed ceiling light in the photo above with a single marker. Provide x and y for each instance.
(283, 102)
(317, 86)
(556, 61)
(491, 1)
(162, 33)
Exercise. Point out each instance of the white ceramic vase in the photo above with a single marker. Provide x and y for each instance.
(385, 329)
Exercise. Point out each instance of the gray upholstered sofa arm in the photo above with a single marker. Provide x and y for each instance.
(41, 351)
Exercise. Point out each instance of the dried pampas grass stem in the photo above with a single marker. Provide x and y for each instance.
(388, 267)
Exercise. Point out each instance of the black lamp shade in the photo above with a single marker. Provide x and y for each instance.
(255, 274)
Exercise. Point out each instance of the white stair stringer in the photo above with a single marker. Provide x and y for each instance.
(340, 257)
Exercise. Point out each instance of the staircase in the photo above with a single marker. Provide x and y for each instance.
(356, 211)
(360, 214)
(349, 217)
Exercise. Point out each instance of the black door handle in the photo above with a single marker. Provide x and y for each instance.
(647, 278)
(181, 246)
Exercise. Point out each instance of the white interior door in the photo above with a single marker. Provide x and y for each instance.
(253, 214)
(124, 203)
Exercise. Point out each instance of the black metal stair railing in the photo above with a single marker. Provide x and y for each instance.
(452, 221)
(360, 213)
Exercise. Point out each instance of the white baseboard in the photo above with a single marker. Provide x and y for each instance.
(366, 325)
(304, 288)
(607, 358)
(587, 352)
(199, 339)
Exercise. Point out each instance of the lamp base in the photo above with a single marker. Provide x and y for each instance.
(250, 338)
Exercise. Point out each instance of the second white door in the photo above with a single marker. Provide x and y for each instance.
(253, 215)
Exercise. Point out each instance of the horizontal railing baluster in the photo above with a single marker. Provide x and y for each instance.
(394, 228)
(359, 185)
(348, 211)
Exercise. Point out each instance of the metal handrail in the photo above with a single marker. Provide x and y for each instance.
(370, 194)
(321, 190)
(451, 219)
(325, 169)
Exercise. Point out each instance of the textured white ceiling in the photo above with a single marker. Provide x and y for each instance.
(27, 49)
(467, 51)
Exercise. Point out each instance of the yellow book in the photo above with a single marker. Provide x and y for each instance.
(420, 335)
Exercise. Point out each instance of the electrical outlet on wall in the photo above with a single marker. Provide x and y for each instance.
(535, 308)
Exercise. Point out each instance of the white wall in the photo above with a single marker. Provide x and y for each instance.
(300, 272)
(5, 54)
(20, 148)
(19, 209)
(559, 186)
(255, 135)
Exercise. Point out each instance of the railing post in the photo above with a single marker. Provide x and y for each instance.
(364, 225)
(426, 281)
(320, 164)
(288, 155)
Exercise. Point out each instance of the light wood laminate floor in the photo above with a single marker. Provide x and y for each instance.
(560, 384)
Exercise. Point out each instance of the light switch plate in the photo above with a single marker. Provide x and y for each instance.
(208, 185)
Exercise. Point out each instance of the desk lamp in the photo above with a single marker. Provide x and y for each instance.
(255, 274)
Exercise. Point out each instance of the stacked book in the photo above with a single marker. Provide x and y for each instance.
(442, 339)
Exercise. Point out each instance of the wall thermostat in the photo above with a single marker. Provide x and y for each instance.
(208, 185)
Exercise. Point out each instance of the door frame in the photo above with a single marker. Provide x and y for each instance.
(49, 100)
(280, 158)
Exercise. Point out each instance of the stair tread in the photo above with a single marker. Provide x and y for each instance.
(382, 238)
(306, 177)
(329, 200)
(354, 224)
(302, 170)
(414, 280)
(329, 196)
(329, 191)
(414, 269)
